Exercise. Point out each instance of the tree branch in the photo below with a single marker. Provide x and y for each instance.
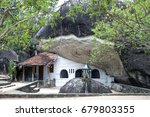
(121, 19)
(8, 29)
(5, 13)
(2, 20)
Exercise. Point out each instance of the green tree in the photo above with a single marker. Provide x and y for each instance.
(126, 21)
(20, 19)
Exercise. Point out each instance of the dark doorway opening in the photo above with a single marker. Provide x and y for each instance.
(64, 74)
(79, 73)
(95, 74)
(40, 72)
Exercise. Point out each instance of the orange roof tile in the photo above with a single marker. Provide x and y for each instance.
(44, 58)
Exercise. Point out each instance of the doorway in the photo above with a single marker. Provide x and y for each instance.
(40, 72)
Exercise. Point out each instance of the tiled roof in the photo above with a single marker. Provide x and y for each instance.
(44, 58)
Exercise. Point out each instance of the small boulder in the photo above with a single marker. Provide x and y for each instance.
(77, 85)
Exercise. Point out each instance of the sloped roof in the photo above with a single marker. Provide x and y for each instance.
(44, 58)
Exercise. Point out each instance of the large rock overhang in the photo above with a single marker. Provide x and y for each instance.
(79, 50)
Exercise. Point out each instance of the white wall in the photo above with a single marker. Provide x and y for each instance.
(62, 63)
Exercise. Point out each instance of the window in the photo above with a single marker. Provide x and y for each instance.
(64, 74)
(78, 73)
(71, 70)
(51, 68)
(95, 74)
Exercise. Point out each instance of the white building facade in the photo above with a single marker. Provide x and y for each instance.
(63, 70)
(48, 67)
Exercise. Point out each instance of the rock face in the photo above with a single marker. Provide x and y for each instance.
(76, 85)
(137, 65)
(79, 50)
(80, 26)
(5, 57)
(3, 65)
(10, 55)
(23, 56)
(128, 88)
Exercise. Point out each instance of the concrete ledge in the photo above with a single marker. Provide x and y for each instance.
(64, 95)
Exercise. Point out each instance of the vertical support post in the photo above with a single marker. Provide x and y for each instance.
(38, 77)
(33, 69)
(23, 76)
(5, 71)
(48, 73)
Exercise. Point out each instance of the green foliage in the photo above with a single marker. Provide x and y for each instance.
(98, 7)
(46, 44)
(55, 16)
(11, 68)
(75, 10)
(104, 31)
(20, 19)
(130, 23)
(101, 52)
